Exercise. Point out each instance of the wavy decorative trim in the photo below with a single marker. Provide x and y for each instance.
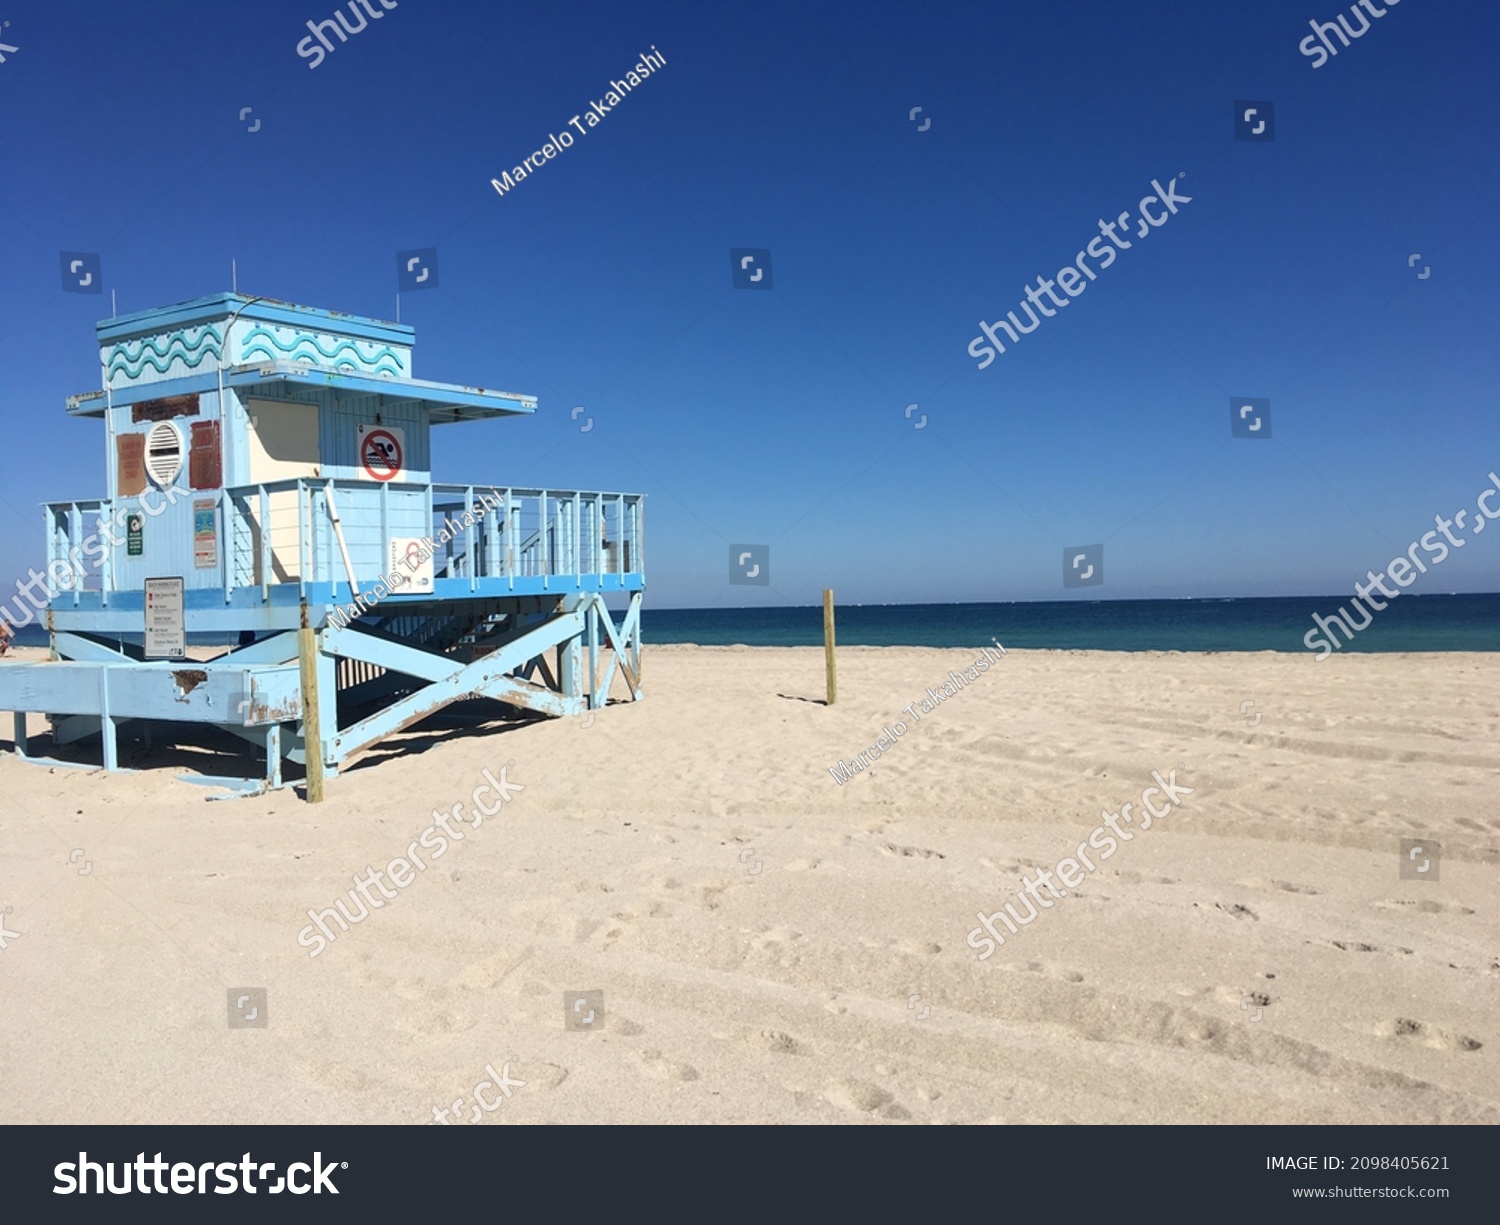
(384, 367)
(147, 352)
(133, 359)
(306, 338)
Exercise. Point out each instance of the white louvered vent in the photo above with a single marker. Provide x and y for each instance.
(164, 453)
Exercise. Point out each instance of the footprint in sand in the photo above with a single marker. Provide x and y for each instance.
(1052, 971)
(364, 976)
(645, 909)
(775, 1041)
(1126, 877)
(541, 1076)
(489, 972)
(665, 1069)
(774, 938)
(910, 852)
(863, 1097)
(438, 1021)
(1425, 906)
(1286, 886)
(1431, 1036)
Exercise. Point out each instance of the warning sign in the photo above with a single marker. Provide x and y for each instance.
(205, 534)
(382, 451)
(166, 636)
(411, 566)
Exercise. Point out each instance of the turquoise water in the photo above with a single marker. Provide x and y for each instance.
(1408, 623)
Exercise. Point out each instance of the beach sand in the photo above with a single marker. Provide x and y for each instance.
(775, 947)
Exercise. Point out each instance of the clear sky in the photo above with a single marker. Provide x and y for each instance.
(603, 280)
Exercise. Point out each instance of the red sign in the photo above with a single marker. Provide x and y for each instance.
(380, 455)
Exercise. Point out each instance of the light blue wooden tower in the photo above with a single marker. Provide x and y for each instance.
(269, 469)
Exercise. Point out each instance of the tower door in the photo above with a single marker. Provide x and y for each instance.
(282, 443)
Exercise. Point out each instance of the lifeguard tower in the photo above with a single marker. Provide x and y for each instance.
(269, 473)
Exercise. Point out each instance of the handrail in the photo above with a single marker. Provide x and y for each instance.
(529, 533)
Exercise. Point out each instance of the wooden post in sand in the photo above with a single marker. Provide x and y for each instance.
(312, 725)
(833, 682)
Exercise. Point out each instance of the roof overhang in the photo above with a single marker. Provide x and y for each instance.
(444, 402)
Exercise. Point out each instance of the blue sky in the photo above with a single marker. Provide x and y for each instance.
(603, 280)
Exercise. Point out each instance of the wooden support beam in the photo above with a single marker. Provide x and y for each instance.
(307, 653)
(450, 681)
(632, 677)
(833, 682)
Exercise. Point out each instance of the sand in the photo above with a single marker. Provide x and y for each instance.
(775, 947)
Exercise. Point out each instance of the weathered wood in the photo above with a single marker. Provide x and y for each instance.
(307, 654)
(833, 683)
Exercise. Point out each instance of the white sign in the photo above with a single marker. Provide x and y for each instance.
(382, 451)
(410, 568)
(166, 632)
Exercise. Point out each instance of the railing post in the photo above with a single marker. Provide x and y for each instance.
(511, 528)
(75, 528)
(593, 623)
(430, 527)
(491, 538)
(304, 542)
(576, 543)
(265, 545)
(107, 580)
(471, 547)
(545, 534)
(226, 547)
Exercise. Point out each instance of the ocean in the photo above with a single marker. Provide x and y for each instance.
(1409, 623)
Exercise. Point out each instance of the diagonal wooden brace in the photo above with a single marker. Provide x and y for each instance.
(450, 681)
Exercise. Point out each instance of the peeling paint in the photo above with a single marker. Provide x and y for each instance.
(189, 679)
(289, 711)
